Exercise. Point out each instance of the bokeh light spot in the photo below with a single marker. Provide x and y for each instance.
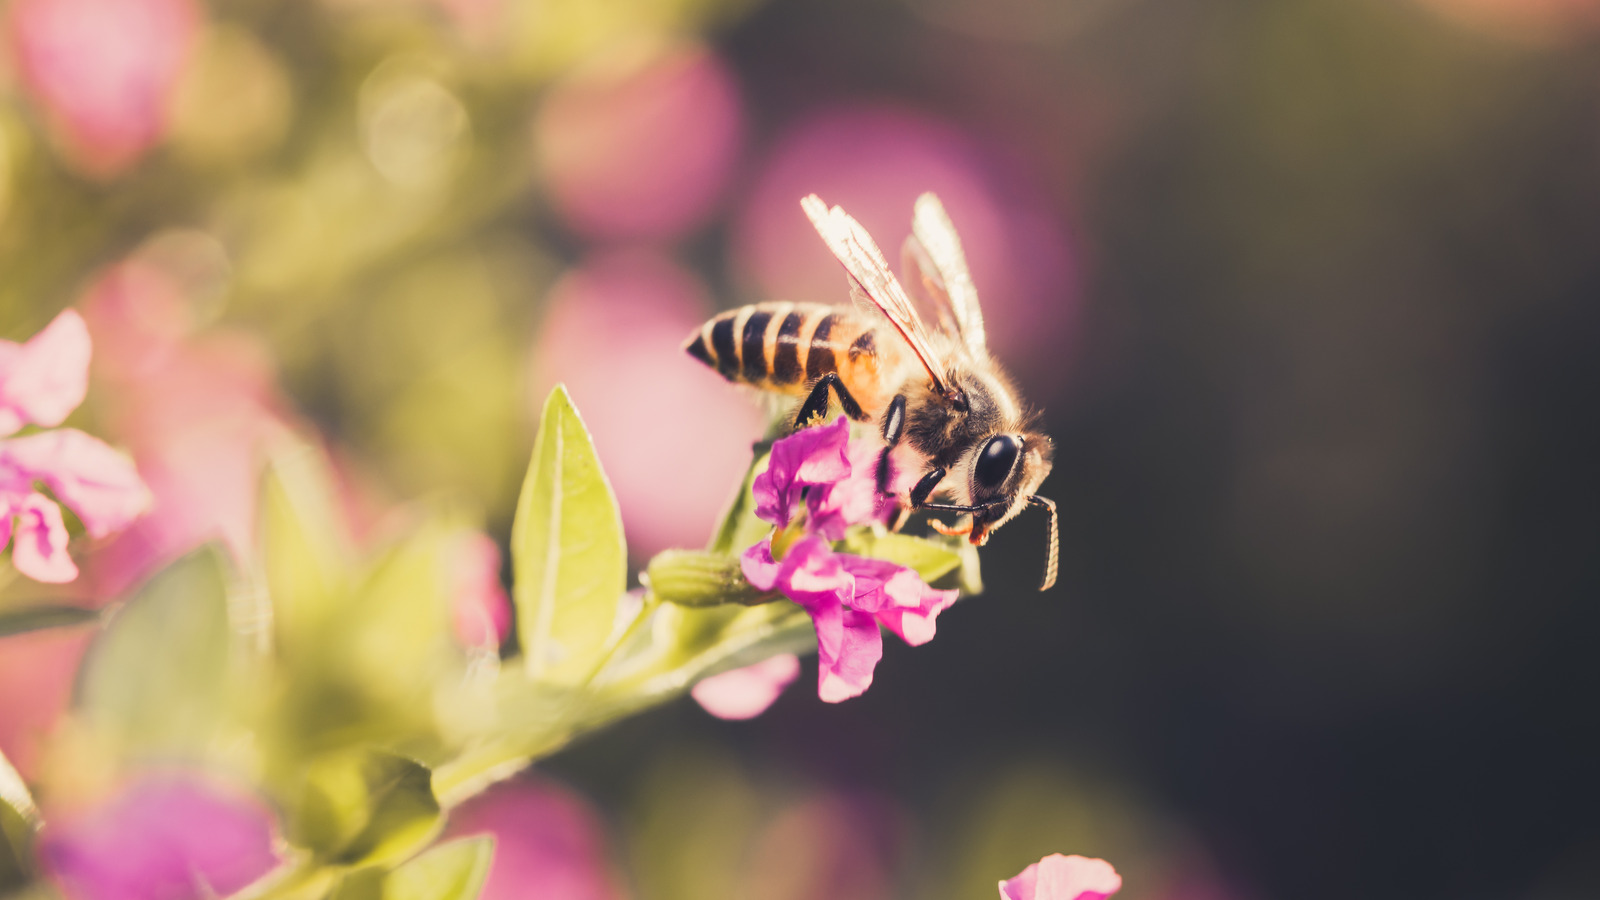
(641, 141)
(413, 129)
(233, 102)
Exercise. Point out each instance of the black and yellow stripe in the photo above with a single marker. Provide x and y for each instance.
(784, 347)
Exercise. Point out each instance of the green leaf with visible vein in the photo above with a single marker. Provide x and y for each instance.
(567, 551)
(453, 871)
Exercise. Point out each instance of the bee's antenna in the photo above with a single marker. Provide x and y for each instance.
(1052, 560)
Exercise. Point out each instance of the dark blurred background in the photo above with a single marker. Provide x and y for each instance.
(1307, 291)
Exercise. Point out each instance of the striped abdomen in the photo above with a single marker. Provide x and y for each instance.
(786, 347)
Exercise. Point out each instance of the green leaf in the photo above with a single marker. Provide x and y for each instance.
(157, 679)
(567, 550)
(360, 884)
(740, 528)
(37, 618)
(931, 560)
(306, 553)
(19, 819)
(452, 871)
(364, 808)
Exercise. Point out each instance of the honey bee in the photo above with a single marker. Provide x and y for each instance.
(947, 413)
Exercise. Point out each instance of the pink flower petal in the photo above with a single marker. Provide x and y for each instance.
(40, 551)
(759, 568)
(169, 837)
(812, 575)
(635, 146)
(853, 499)
(478, 600)
(1058, 877)
(810, 457)
(548, 842)
(845, 670)
(98, 483)
(898, 597)
(46, 378)
(746, 693)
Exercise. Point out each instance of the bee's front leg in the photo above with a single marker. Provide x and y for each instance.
(924, 488)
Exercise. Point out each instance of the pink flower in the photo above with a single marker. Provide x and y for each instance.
(809, 458)
(640, 142)
(828, 846)
(1058, 877)
(746, 693)
(46, 378)
(836, 476)
(41, 381)
(103, 70)
(848, 597)
(478, 600)
(167, 837)
(548, 843)
(36, 675)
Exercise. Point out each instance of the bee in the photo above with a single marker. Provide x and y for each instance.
(956, 437)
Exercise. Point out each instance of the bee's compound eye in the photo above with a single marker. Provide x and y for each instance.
(995, 460)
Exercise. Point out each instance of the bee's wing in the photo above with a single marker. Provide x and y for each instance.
(871, 275)
(936, 251)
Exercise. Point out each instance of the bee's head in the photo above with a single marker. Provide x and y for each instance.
(1005, 470)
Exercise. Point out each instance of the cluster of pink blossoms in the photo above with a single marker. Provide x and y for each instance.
(42, 381)
(848, 597)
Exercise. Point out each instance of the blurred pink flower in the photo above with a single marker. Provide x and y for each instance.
(549, 843)
(672, 435)
(746, 693)
(103, 71)
(829, 847)
(640, 142)
(172, 836)
(874, 161)
(36, 673)
(479, 605)
(40, 383)
(197, 411)
(1058, 877)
